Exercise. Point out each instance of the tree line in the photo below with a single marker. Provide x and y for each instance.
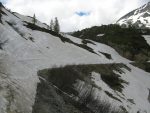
(54, 24)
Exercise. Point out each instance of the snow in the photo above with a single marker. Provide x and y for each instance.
(116, 58)
(74, 39)
(96, 78)
(99, 47)
(139, 82)
(25, 58)
(30, 19)
(137, 16)
(137, 89)
(21, 59)
(147, 38)
(99, 35)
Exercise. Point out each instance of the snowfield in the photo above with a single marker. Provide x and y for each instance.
(140, 17)
(134, 96)
(25, 51)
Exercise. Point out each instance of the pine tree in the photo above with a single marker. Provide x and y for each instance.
(34, 19)
(52, 25)
(56, 25)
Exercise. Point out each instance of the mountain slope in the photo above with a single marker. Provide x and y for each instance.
(25, 49)
(128, 42)
(139, 18)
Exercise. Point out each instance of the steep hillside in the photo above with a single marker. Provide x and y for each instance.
(139, 18)
(32, 82)
(100, 88)
(128, 42)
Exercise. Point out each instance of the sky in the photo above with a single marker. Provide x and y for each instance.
(75, 15)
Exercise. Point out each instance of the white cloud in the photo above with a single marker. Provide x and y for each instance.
(101, 11)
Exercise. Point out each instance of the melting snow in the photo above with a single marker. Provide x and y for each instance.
(21, 58)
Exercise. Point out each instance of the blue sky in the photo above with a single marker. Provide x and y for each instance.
(82, 13)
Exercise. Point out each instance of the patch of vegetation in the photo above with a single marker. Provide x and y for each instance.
(128, 42)
(143, 65)
(91, 33)
(113, 97)
(35, 27)
(32, 39)
(85, 47)
(62, 38)
(100, 105)
(50, 99)
(65, 77)
(15, 15)
(2, 43)
(13, 25)
(131, 101)
(106, 55)
(123, 109)
(85, 41)
(0, 12)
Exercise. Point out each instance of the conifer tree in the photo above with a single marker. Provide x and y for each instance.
(56, 25)
(52, 25)
(34, 19)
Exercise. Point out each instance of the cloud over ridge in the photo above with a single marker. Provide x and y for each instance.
(75, 14)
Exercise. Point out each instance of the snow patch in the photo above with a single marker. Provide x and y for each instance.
(147, 38)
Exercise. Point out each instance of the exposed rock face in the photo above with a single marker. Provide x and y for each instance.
(139, 18)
